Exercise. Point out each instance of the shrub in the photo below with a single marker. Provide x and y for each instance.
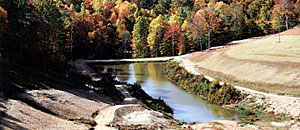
(197, 84)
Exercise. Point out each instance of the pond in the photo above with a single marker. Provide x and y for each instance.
(150, 76)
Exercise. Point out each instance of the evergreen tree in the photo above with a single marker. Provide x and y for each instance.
(16, 38)
(140, 34)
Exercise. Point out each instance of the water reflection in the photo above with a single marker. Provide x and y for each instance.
(188, 107)
(155, 72)
(140, 72)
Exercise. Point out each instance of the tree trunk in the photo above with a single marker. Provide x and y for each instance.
(156, 49)
(208, 35)
(286, 22)
(173, 41)
(201, 44)
(278, 27)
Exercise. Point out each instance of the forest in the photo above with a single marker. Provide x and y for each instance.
(51, 33)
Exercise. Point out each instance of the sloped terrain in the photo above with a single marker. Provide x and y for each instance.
(261, 63)
(35, 100)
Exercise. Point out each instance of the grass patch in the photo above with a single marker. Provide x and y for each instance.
(217, 123)
(248, 116)
(180, 122)
(88, 122)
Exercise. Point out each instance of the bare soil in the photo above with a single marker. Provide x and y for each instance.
(72, 104)
(17, 115)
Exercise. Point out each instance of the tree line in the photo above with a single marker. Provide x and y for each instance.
(50, 33)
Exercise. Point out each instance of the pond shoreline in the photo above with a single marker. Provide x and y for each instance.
(251, 100)
(134, 102)
(277, 104)
(212, 91)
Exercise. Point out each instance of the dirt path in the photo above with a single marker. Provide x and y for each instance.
(106, 115)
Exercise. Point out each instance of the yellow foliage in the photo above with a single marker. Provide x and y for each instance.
(186, 25)
(3, 14)
(91, 35)
(174, 20)
(97, 4)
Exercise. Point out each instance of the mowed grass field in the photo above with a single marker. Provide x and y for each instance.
(269, 49)
(262, 64)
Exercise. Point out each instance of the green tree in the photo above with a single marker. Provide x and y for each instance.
(146, 4)
(162, 7)
(51, 32)
(264, 20)
(16, 39)
(140, 34)
(182, 3)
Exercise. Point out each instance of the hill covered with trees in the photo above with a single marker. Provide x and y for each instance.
(49, 33)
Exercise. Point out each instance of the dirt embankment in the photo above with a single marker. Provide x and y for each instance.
(34, 100)
(51, 110)
(276, 104)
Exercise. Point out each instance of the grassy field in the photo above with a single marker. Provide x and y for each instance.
(262, 64)
(269, 49)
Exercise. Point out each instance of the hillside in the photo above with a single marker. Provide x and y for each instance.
(33, 99)
(260, 63)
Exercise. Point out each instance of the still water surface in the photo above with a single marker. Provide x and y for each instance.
(150, 76)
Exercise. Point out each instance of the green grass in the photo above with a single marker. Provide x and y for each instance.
(88, 122)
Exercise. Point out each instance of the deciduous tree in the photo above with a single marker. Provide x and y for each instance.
(156, 31)
(170, 41)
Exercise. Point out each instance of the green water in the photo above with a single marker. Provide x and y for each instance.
(150, 76)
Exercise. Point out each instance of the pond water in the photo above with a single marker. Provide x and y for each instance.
(150, 76)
